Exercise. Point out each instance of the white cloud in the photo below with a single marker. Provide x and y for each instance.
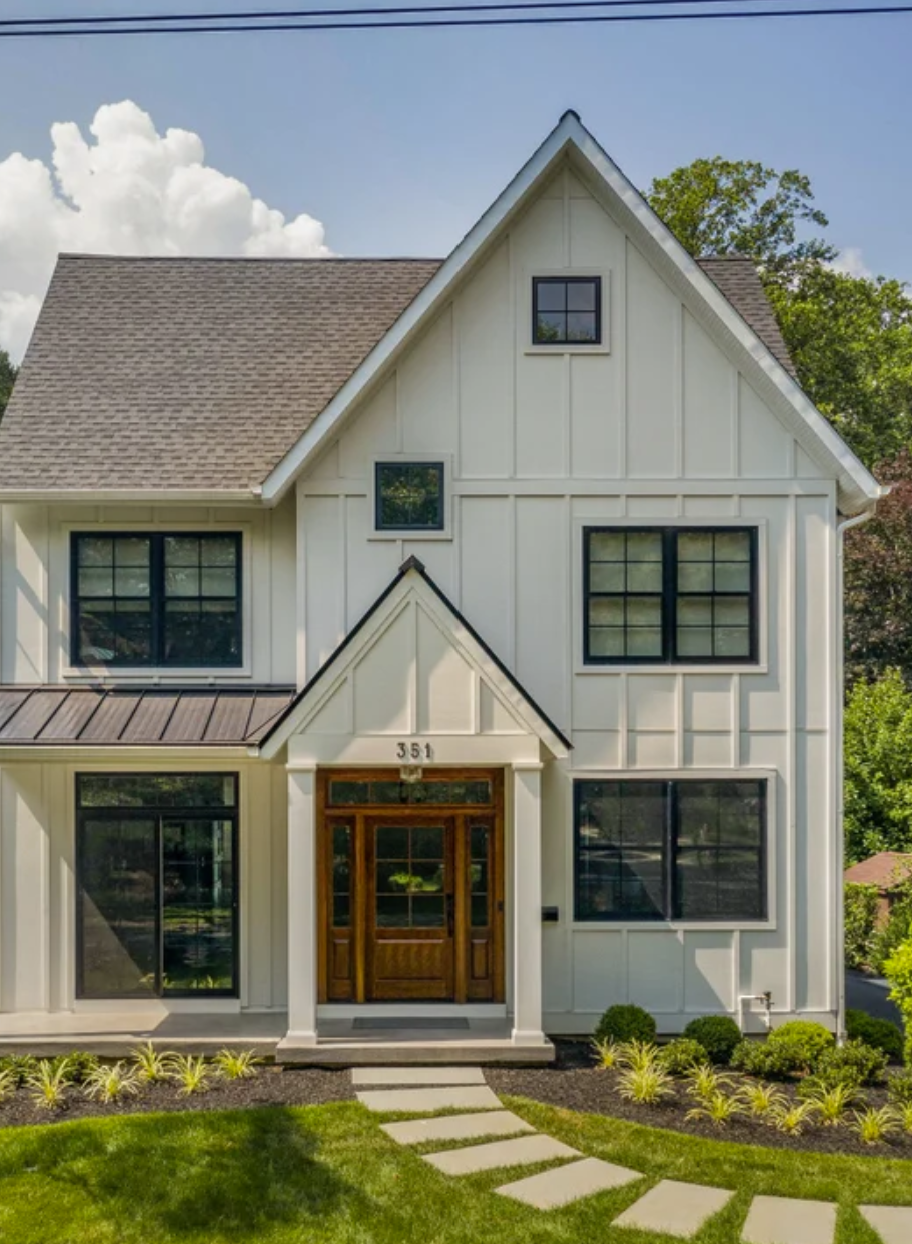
(130, 191)
(851, 262)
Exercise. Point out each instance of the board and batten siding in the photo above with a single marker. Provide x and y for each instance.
(659, 427)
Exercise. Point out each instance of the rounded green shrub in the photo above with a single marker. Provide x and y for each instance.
(899, 1088)
(879, 1034)
(682, 1055)
(718, 1034)
(801, 1043)
(760, 1058)
(852, 1064)
(626, 1022)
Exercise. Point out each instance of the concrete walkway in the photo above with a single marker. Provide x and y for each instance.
(670, 1206)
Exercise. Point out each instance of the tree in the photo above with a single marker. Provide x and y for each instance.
(878, 767)
(8, 375)
(725, 207)
(878, 581)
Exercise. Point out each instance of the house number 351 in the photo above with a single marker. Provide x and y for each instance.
(414, 751)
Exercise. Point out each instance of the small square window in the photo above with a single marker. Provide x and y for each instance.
(408, 496)
(567, 310)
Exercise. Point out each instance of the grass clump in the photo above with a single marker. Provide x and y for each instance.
(761, 1100)
(872, 1126)
(112, 1082)
(718, 1108)
(193, 1074)
(237, 1064)
(152, 1066)
(48, 1084)
(648, 1085)
(607, 1054)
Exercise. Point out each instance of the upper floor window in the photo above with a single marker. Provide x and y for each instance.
(409, 496)
(566, 310)
(672, 850)
(683, 595)
(149, 599)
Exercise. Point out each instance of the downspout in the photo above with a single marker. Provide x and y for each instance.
(839, 699)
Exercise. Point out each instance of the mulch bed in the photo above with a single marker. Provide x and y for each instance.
(272, 1086)
(573, 1083)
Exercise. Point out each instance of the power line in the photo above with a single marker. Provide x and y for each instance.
(419, 24)
(306, 14)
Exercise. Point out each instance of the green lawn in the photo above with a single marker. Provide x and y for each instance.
(328, 1175)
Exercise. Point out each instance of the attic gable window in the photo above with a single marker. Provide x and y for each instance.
(409, 496)
(567, 310)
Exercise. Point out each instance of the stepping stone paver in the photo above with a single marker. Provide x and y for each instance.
(789, 1220)
(427, 1100)
(560, 1186)
(457, 1127)
(524, 1151)
(364, 1076)
(675, 1208)
(892, 1222)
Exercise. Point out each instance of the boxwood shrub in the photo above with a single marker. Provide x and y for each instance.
(626, 1022)
(718, 1034)
(801, 1043)
(880, 1034)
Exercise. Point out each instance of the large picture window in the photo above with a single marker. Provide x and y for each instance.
(674, 595)
(156, 885)
(150, 599)
(670, 850)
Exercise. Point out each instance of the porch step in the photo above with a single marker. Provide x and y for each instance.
(456, 1127)
(363, 1076)
(524, 1151)
(467, 1049)
(429, 1100)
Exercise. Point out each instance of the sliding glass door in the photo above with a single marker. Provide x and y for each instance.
(156, 863)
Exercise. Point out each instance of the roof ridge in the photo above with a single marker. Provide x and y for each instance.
(251, 259)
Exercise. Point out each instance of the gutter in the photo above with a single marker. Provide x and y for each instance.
(116, 496)
(839, 701)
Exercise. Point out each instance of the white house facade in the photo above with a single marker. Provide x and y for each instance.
(418, 643)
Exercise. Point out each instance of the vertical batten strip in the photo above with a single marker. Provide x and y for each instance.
(514, 337)
(301, 586)
(791, 666)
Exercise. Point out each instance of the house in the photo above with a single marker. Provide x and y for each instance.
(886, 870)
(435, 646)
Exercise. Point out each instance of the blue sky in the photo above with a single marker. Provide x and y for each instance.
(398, 140)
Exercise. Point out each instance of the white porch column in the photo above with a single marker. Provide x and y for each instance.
(527, 897)
(302, 908)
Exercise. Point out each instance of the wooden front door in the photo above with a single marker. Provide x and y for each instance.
(411, 895)
(410, 908)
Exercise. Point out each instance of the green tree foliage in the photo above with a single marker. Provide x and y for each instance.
(725, 207)
(860, 923)
(8, 375)
(878, 767)
(898, 971)
(878, 581)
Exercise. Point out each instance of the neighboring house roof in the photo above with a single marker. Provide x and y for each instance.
(67, 716)
(201, 373)
(189, 373)
(413, 576)
(882, 870)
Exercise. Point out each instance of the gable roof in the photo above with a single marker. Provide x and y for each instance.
(571, 143)
(189, 373)
(885, 870)
(412, 577)
(202, 373)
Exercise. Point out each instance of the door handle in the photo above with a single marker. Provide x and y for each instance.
(449, 915)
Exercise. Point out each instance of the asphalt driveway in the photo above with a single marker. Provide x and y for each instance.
(863, 993)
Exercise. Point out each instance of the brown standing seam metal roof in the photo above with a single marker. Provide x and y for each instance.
(203, 373)
(76, 716)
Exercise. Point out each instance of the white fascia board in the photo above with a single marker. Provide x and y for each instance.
(857, 487)
(423, 306)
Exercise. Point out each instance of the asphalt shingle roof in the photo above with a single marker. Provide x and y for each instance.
(202, 373)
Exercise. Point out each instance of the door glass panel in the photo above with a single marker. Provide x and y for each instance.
(197, 905)
(479, 848)
(118, 901)
(409, 876)
(476, 792)
(341, 876)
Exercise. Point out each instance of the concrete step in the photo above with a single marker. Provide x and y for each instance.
(362, 1077)
(565, 1184)
(457, 1127)
(524, 1151)
(429, 1100)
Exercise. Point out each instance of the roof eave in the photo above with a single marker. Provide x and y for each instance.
(117, 496)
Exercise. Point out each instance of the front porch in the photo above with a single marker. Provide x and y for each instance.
(356, 1041)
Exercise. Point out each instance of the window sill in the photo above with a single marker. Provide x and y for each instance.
(672, 926)
(675, 667)
(567, 348)
(441, 535)
(154, 674)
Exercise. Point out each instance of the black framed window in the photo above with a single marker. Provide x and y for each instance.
(676, 595)
(156, 885)
(566, 310)
(673, 850)
(156, 599)
(409, 496)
